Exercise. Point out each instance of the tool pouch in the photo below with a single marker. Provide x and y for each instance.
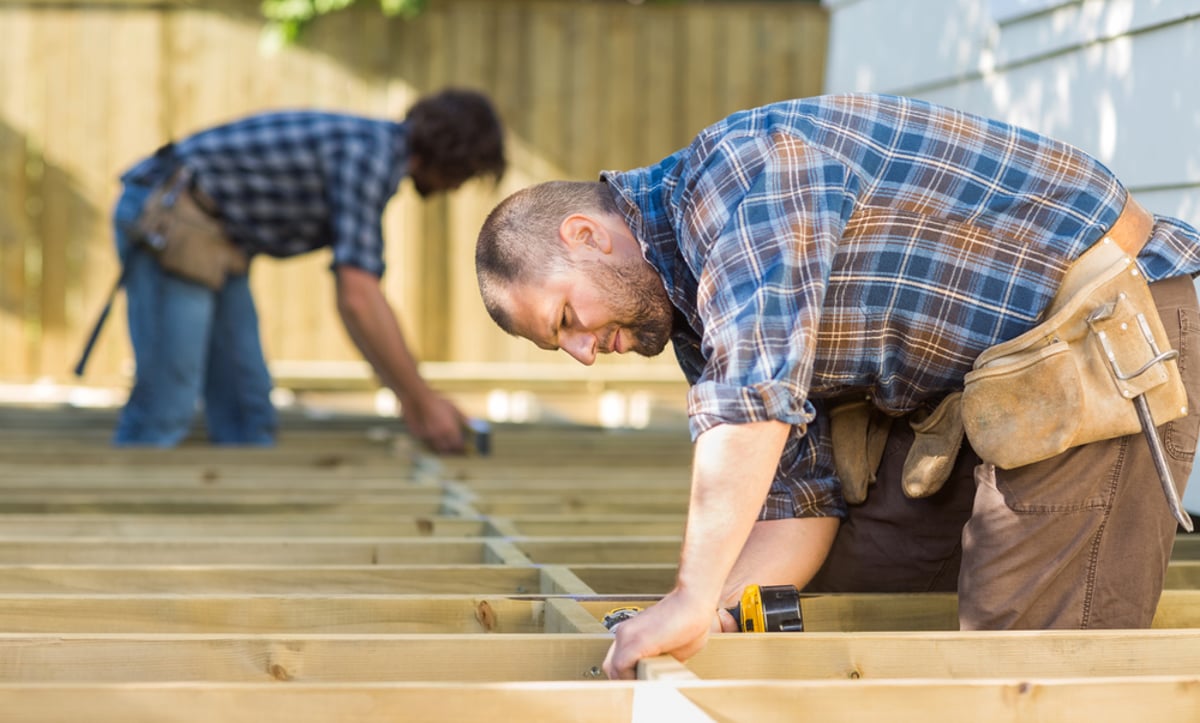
(1071, 379)
(187, 241)
(858, 432)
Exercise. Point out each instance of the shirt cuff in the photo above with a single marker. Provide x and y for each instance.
(711, 404)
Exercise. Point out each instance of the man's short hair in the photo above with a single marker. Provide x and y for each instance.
(519, 242)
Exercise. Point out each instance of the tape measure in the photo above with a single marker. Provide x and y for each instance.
(478, 434)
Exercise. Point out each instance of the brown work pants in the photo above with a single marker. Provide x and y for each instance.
(1078, 541)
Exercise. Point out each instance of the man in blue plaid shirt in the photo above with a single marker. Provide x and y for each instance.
(823, 252)
(282, 184)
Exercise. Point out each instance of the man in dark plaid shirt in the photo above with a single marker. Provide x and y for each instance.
(811, 252)
(282, 184)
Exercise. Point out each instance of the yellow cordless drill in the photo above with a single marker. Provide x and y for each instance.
(763, 609)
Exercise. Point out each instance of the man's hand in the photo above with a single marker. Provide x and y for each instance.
(436, 422)
(678, 624)
(373, 327)
(731, 472)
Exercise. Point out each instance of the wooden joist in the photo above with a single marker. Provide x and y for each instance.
(1163, 699)
(346, 576)
(473, 656)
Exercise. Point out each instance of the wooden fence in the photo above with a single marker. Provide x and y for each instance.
(88, 87)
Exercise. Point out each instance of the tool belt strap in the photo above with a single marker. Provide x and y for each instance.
(1132, 228)
(1129, 233)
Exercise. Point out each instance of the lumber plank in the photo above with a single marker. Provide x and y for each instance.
(54, 478)
(1158, 698)
(248, 503)
(243, 551)
(563, 615)
(559, 580)
(575, 501)
(582, 550)
(663, 667)
(290, 613)
(1187, 546)
(243, 525)
(271, 580)
(654, 525)
(315, 703)
(1164, 699)
(523, 656)
(949, 654)
(879, 612)
(621, 579)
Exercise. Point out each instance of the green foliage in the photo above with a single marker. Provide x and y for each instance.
(286, 18)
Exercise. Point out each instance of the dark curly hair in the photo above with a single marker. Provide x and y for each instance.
(459, 133)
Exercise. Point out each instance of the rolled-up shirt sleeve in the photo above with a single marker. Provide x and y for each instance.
(763, 218)
(358, 194)
(806, 483)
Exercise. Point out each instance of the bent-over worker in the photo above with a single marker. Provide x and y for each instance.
(192, 215)
(849, 282)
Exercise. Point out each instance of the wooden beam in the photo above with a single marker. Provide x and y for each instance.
(921, 656)
(166, 526)
(243, 551)
(290, 613)
(874, 612)
(197, 503)
(986, 700)
(413, 613)
(630, 551)
(273, 580)
(308, 658)
(1163, 699)
(654, 525)
(563, 615)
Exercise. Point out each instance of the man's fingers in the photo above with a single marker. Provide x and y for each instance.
(621, 661)
(616, 671)
(725, 622)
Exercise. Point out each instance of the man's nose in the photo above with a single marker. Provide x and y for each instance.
(581, 347)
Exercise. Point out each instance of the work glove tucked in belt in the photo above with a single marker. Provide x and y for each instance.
(859, 434)
(937, 437)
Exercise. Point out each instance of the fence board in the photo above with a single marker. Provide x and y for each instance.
(92, 85)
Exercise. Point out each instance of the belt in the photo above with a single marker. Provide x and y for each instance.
(1126, 237)
(1132, 228)
(186, 177)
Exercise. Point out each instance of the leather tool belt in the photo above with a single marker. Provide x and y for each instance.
(1072, 379)
(187, 240)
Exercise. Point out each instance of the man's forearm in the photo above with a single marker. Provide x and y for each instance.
(781, 552)
(732, 473)
(373, 328)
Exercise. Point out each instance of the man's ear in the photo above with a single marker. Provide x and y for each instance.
(580, 229)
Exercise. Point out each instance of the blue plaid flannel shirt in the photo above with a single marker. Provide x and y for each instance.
(861, 244)
(288, 182)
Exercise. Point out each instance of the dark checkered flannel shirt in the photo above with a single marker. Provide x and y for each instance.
(289, 182)
(861, 244)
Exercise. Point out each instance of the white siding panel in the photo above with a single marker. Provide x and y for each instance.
(876, 45)
(1074, 24)
(1115, 77)
(1130, 102)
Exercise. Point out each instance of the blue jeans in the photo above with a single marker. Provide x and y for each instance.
(189, 343)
